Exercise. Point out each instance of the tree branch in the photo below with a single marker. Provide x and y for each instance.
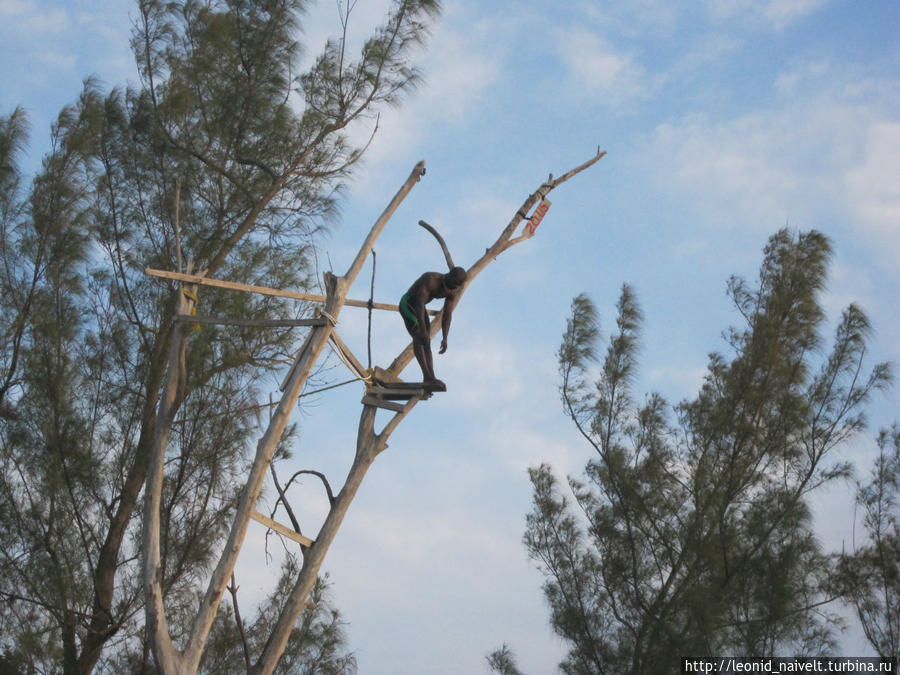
(233, 589)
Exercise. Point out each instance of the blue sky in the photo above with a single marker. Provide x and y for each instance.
(724, 121)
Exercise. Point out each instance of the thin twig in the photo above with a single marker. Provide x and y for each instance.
(282, 498)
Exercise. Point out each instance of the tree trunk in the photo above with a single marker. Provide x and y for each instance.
(168, 658)
(369, 444)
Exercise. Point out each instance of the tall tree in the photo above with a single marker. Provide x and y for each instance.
(223, 156)
(694, 537)
(369, 444)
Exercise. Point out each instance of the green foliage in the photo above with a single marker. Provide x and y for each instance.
(869, 578)
(223, 138)
(316, 645)
(503, 662)
(695, 537)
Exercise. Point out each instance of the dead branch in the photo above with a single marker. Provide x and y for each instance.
(503, 243)
(319, 475)
(233, 589)
(441, 241)
(283, 498)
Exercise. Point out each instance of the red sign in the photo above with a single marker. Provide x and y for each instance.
(537, 217)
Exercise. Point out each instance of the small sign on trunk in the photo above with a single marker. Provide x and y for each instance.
(537, 217)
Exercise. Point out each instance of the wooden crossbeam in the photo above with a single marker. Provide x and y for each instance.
(281, 529)
(261, 323)
(264, 290)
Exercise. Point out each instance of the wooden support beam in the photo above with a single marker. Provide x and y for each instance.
(381, 403)
(260, 323)
(265, 290)
(347, 354)
(384, 376)
(281, 529)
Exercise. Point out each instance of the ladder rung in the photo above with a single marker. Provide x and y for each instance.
(381, 403)
(281, 529)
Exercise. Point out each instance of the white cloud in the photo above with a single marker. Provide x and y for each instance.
(461, 64)
(774, 14)
(686, 380)
(806, 162)
(598, 69)
(29, 20)
(874, 188)
(732, 170)
(13, 7)
(781, 13)
(57, 60)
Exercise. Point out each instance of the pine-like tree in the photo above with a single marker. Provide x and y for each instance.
(694, 537)
(869, 577)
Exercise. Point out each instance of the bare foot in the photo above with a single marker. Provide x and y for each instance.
(435, 385)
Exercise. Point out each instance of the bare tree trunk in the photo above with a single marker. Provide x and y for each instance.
(164, 652)
(168, 658)
(368, 446)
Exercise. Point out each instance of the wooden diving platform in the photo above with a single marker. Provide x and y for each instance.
(386, 388)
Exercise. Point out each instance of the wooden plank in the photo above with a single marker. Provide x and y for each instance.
(384, 376)
(393, 394)
(261, 323)
(264, 290)
(407, 386)
(381, 403)
(281, 529)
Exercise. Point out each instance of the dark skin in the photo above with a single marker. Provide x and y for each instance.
(428, 287)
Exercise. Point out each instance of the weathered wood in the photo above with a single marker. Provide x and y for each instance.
(397, 393)
(342, 347)
(369, 444)
(383, 376)
(259, 323)
(281, 529)
(265, 290)
(336, 289)
(382, 403)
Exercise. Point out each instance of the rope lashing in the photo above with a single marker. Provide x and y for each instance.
(190, 295)
(328, 316)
